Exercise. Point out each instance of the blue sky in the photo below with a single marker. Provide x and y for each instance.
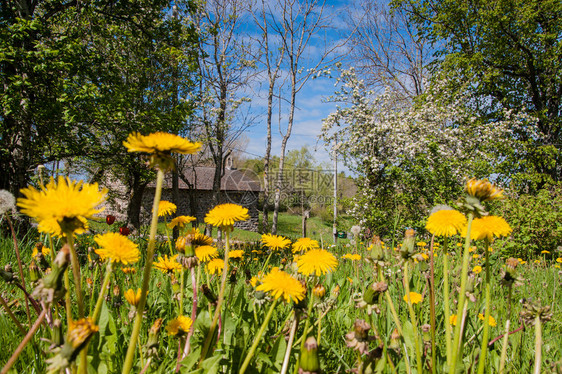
(312, 106)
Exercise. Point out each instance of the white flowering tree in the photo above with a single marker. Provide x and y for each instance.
(411, 155)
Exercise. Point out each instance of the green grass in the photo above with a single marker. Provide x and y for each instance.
(245, 310)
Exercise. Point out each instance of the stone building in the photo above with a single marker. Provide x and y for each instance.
(237, 186)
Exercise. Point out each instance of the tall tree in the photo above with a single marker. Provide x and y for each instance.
(271, 58)
(224, 68)
(78, 77)
(511, 53)
(299, 24)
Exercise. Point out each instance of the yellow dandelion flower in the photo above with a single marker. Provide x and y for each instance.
(477, 269)
(521, 261)
(491, 320)
(225, 215)
(275, 242)
(305, 244)
(198, 239)
(475, 256)
(133, 297)
(160, 143)
(45, 251)
(117, 248)
(421, 244)
(62, 206)
(350, 280)
(316, 262)
(255, 281)
(280, 284)
(237, 253)
(167, 265)
(128, 270)
(166, 208)
(557, 266)
(80, 332)
(179, 326)
(445, 223)
(472, 249)
(483, 190)
(215, 266)
(205, 253)
(180, 221)
(453, 320)
(559, 260)
(352, 256)
(489, 227)
(413, 297)
(545, 252)
(537, 262)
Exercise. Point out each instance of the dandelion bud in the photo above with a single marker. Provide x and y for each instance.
(335, 292)
(511, 267)
(209, 295)
(232, 277)
(377, 252)
(426, 336)
(7, 274)
(50, 288)
(408, 245)
(394, 340)
(56, 333)
(319, 291)
(309, 362)
(79, 334)
(153, 343)
(372, 293)
(34, 274)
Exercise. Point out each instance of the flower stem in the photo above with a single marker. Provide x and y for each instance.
(257, 338)
(103, 291)
(413, 319)
(457, 339)
(306, 324)
(128, 364)
(484, 346)
(285, 366)
(538, 345)
(432, 305)
(448, 329)
(391, 305)
(220, 300)
(503, 356)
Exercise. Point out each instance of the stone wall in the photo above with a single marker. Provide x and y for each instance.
(116, 203)
(204, 203)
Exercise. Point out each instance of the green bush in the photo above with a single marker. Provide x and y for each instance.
(536, 221)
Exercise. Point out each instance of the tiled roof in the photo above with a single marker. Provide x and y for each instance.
(233, 180)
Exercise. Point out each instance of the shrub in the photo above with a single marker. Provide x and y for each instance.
(536, 221)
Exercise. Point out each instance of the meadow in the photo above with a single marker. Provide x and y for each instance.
(447, 300)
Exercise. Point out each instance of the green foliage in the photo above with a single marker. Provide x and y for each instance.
(76, 79)
(510, 52)
(536, 221)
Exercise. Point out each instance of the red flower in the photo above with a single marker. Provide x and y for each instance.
(110, 219)
(124, 230)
